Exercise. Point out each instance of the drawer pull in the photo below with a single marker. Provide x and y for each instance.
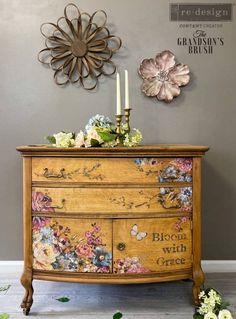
(60, 206)
(121, 246)
(49, 174)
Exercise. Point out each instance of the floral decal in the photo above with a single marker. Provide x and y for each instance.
(41, 202)
(162, 77)
(179, 224)
(169, 198)
(55, 247)
(129, 265)
(177, 170)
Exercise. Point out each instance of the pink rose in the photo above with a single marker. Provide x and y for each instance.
(184, 164)
(84, 250)
(41, 202)
(39, 222)
(80, 141)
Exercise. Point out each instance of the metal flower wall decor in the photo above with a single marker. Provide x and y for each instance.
(79, 48)
(162, 77)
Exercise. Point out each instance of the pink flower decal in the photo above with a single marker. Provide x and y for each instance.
(180, 222)
(41, 202)
(162, 77)
(96, 228)
(88, 234)
(129, 265)
(84, 250)
(184, 164)
(39, 222)
(98, 241)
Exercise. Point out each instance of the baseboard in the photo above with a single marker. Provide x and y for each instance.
(208, 266)
(11, 266)
(219, 266)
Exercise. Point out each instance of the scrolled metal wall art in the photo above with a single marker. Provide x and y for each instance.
(162, 77)
(79, 49)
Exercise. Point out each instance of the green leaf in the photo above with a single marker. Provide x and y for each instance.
(117, 315)
(4, 288)
(4, 316)
(198, 316)
(51, 139)
(63, 299)
(94, 143)
(106, 136)
(224, 305)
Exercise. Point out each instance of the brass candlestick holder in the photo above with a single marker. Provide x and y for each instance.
(118, 127)
(127, 119)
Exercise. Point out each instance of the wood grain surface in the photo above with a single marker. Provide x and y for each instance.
(104, 170)
(110, 200)
(153, 244)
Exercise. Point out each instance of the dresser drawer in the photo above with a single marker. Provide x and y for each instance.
(112, 200)
(79, 245)
(112, 170)
(152, 245)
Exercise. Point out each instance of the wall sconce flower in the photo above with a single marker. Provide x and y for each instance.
(79, 49)
(162, 77)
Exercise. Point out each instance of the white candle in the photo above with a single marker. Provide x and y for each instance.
(126, 90)
(118, 101)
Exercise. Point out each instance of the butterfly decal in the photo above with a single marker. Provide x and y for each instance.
(134, 232)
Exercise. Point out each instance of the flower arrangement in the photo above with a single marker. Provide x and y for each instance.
(212, 306)
(100, 131)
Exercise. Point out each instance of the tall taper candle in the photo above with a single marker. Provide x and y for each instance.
(118, 101)
(126, 90)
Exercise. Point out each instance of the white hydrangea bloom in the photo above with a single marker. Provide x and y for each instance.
(205, 308)
(225, 314)
(210, 315)
(64, 139)
(133, 138)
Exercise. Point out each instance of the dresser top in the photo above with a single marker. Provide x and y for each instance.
(142, 150)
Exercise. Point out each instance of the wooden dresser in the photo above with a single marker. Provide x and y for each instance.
(118, 215)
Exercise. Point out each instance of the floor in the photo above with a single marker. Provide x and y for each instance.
(146, 301)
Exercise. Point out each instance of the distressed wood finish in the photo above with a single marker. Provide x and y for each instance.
(105, 170)
(110, 200)
(150, 245)
(147, 215)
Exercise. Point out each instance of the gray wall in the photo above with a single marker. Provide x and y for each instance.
(32, 106)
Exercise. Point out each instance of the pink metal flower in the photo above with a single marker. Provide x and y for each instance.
(162, 77)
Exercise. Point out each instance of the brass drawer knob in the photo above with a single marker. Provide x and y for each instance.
(121, 246)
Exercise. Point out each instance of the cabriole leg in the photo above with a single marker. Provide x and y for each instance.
(198, 281)
(26, 281)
